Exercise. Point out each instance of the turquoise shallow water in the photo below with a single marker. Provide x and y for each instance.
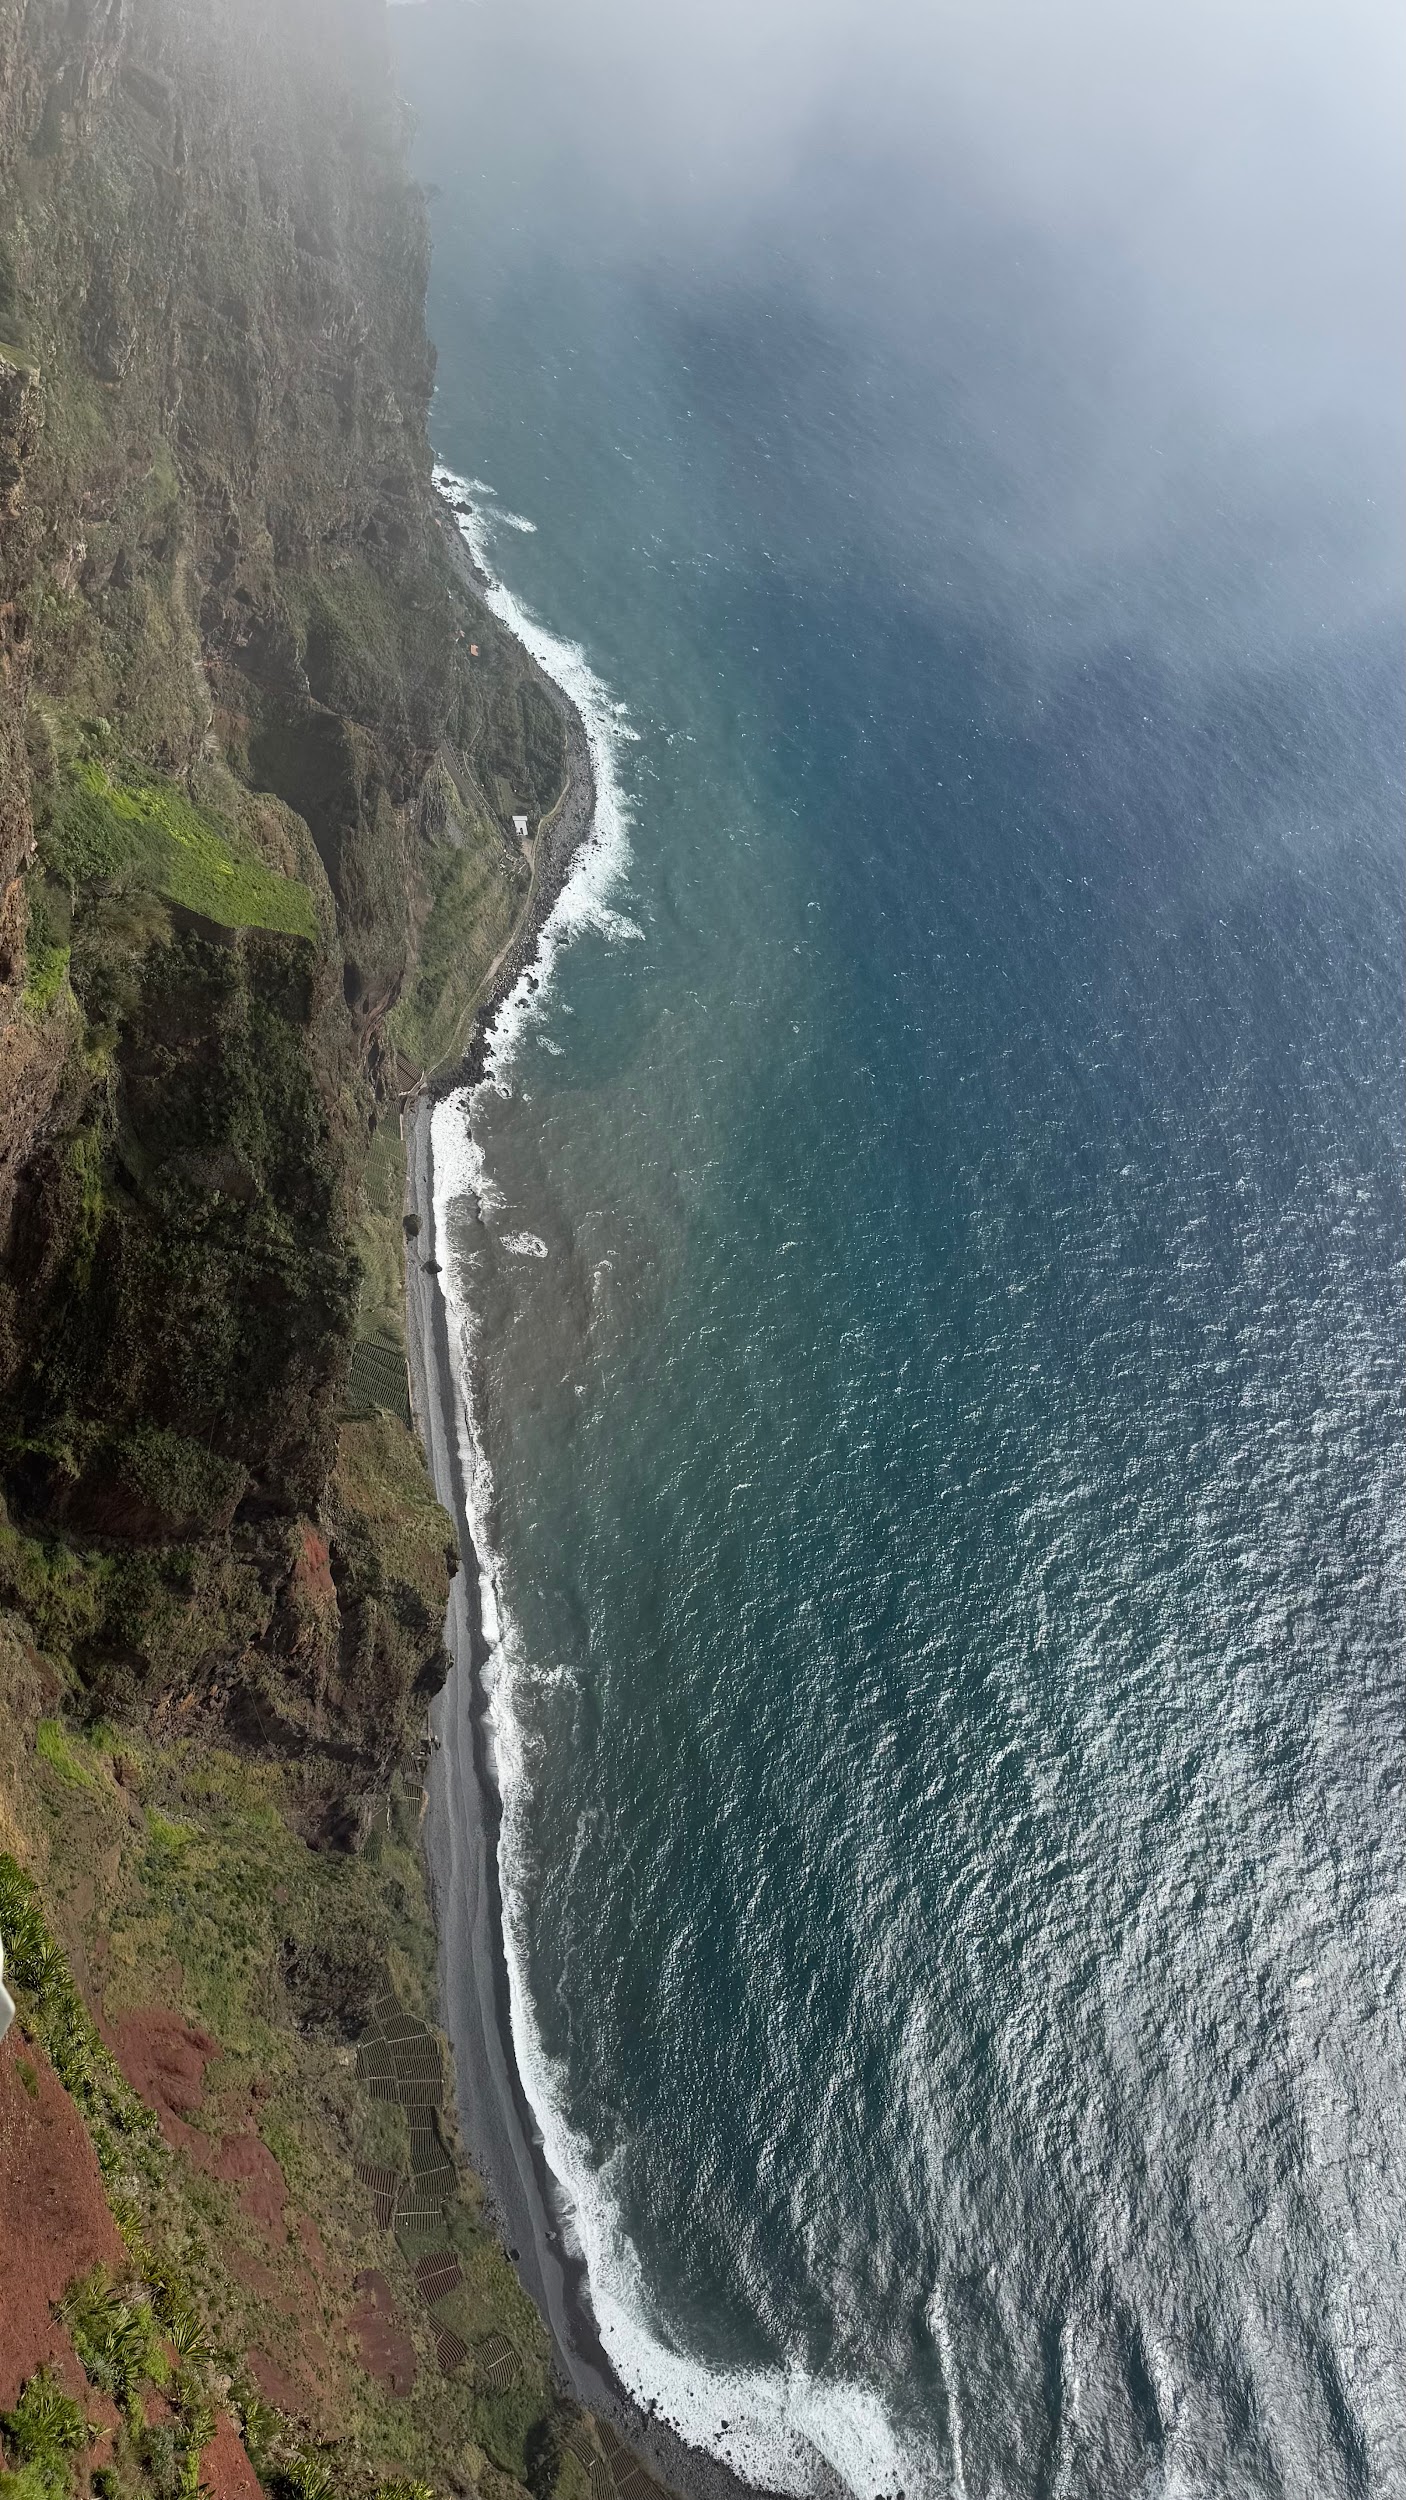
(934, 1248)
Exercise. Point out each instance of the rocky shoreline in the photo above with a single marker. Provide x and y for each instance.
(464, 1812)
(563, 832)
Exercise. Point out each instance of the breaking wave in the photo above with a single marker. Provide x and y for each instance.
(780, 2428)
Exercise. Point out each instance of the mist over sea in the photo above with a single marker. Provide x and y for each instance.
(935, 1240)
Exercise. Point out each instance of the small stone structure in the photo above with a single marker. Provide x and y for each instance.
(520, 829)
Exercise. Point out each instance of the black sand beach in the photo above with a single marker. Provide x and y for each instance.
(463, 1811)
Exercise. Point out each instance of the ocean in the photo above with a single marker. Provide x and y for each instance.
(927, 1259)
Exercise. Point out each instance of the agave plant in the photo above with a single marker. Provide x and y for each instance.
(310, 2476)
(198, 2429)
(183, 2326)
(115, 2336)
(261, 2427)
(44, 2431)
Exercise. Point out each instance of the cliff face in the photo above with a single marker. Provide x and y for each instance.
(260, 746)
(246, 760)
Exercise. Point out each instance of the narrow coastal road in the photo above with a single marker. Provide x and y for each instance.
(461, 1838)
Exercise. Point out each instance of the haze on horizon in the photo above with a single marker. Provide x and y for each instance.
(1149, 249)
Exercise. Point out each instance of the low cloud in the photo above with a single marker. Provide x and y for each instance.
(1199, 201)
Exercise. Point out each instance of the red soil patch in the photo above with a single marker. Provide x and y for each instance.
(225, 2470)
(312, 1570)
(310, 2239)
(98, 2408)
(247, 2165)
(275, 2385)
(255, 2276)
(164, 2060)
(387, 2353)
(54, 2221)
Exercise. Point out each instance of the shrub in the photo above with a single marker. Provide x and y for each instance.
(543, 2457)
(181, 2322)
(48, 945)
(188, 1485)
(44, 2431)
(116, 2337)
(171, 2451)
(198, 2424)
(168, 1843)
(53, 1747)
(262, 2430)
(46, 970)
(309, 2477)
(159, 2453)
(33, 1960)
(61, 1593)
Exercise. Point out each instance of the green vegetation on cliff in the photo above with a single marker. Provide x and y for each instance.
(235, 1966)
(102, 832)
(246, 758)
(255, 865)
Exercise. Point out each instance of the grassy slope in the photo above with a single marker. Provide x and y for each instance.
(171, 1872)
(108, 832)
(476, 892)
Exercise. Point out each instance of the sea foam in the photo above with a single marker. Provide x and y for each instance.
(777, 2427)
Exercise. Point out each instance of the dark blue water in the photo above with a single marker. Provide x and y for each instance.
(948, 1463)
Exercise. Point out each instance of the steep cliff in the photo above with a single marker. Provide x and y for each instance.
(260, 747)
(245, 757)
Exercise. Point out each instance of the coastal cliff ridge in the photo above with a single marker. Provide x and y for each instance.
(261, 749)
